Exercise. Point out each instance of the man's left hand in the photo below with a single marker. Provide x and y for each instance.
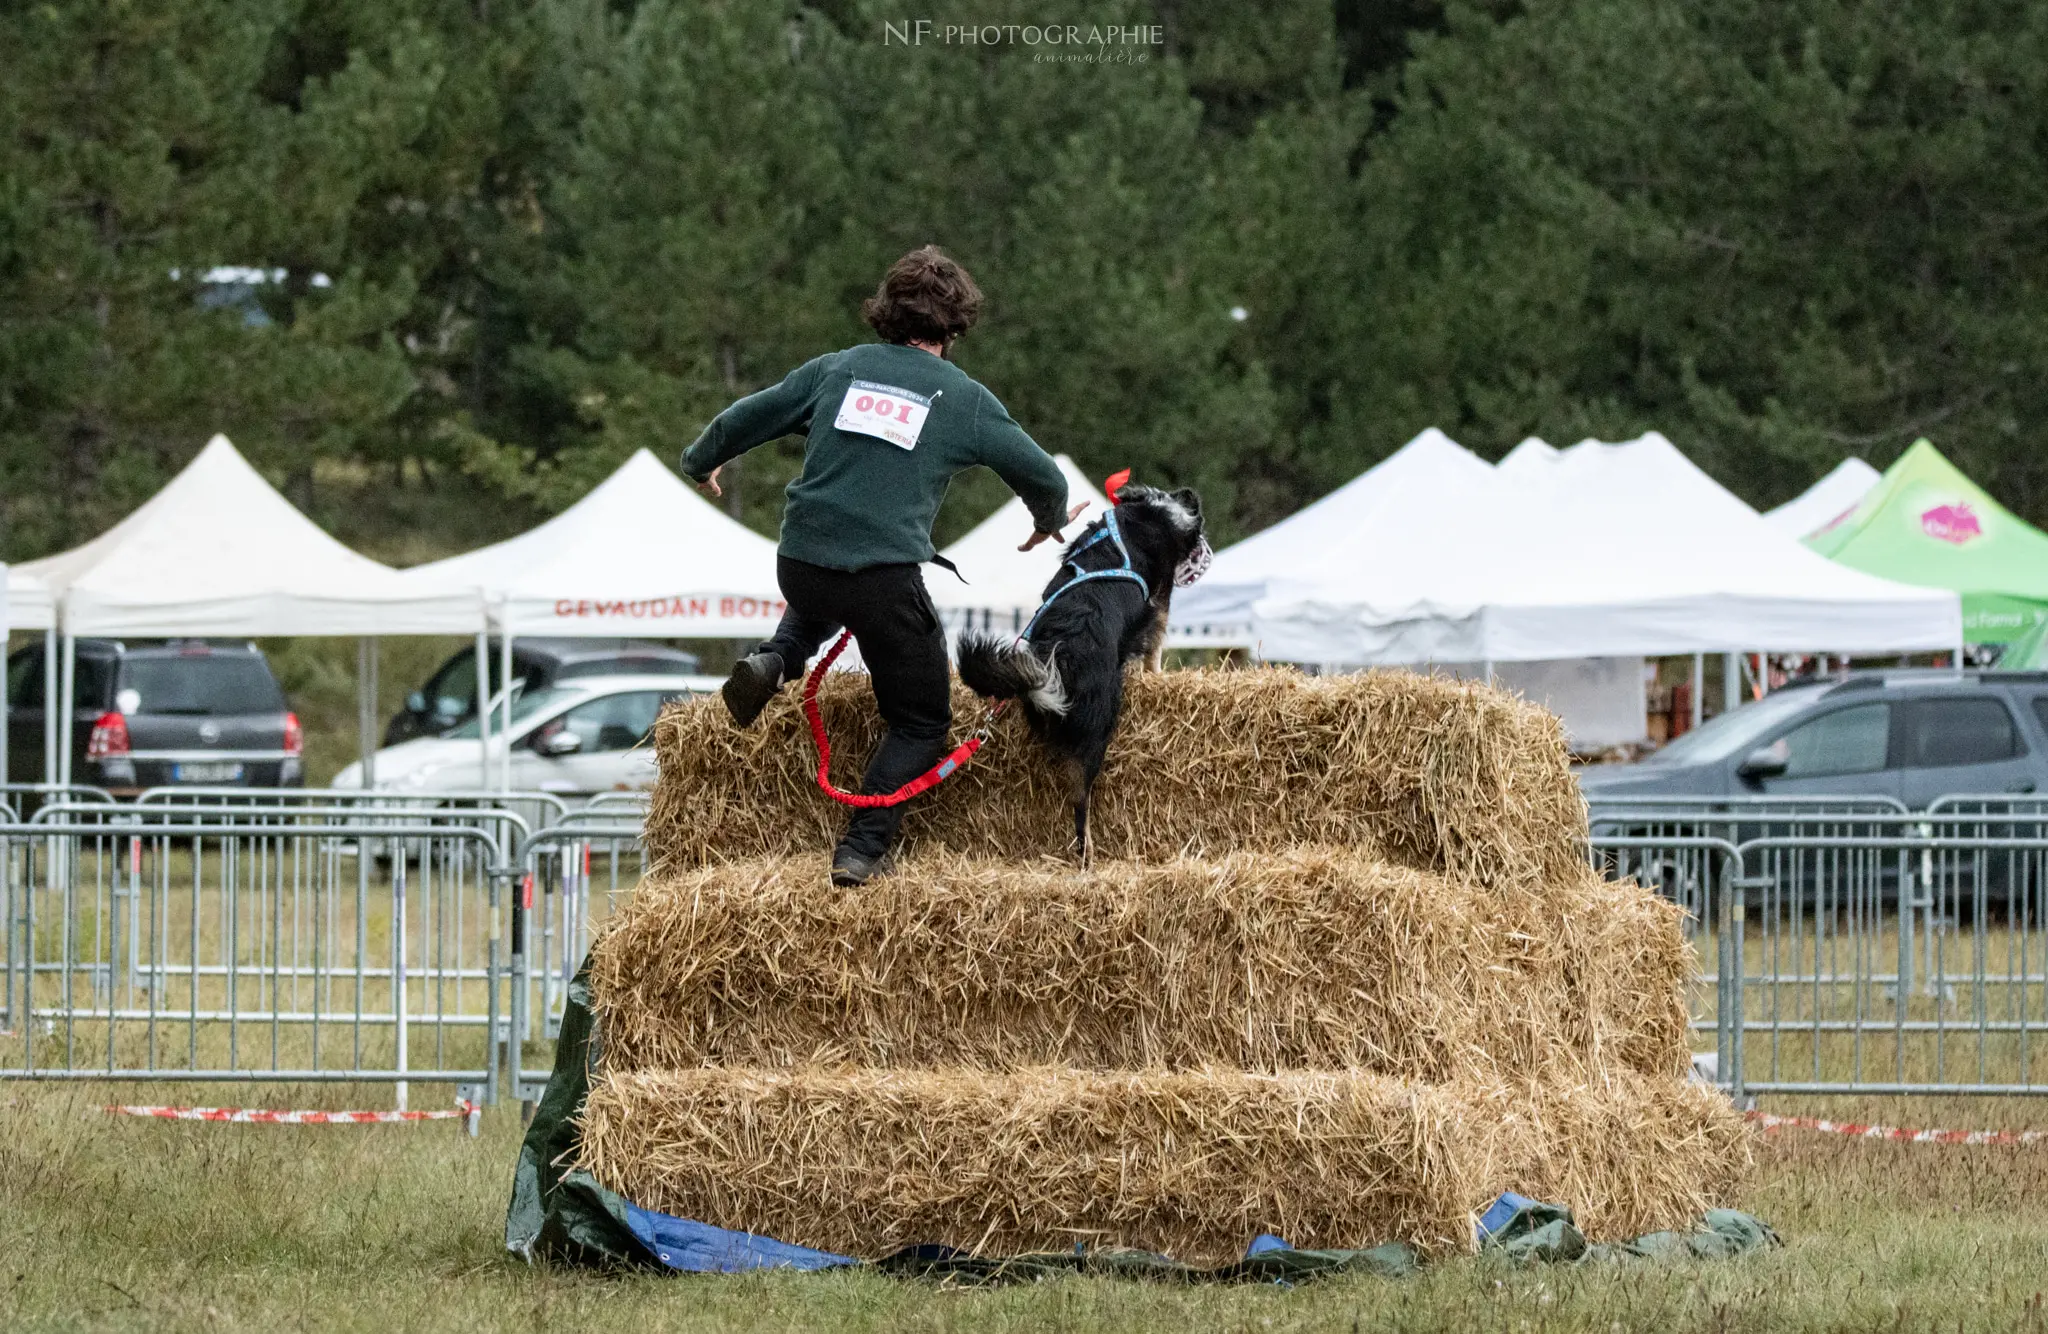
(1038, 537)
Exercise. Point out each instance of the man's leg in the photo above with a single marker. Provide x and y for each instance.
(806, 624)
(893, 620)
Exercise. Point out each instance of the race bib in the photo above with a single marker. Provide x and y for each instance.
(884, 412)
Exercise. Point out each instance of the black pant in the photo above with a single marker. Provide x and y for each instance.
(893, 621)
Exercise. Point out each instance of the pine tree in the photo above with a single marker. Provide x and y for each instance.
(148, 146)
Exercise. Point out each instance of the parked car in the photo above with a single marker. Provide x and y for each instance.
(1908, 735)
(580, 736)
(449, 696)
(151, 715)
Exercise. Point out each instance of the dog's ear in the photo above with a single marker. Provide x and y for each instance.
(1185, 507)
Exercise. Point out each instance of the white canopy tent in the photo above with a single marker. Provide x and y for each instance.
(1598, 551)
(1605, 550)
(219, 552)
(27, 602)
(1600, 699)
(643, 553)
(1827, 500)
(1004, 585)
(25, 605)
(1532, 449)
(1429, 473)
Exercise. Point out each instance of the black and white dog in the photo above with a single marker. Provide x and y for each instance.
(1105, 607)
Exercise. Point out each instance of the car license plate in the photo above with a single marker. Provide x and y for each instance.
(222, 771)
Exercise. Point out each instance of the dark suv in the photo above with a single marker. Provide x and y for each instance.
(448, 699)
(1908, 735)
(152, 715)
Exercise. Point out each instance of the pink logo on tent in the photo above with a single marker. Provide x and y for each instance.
(1955, 523)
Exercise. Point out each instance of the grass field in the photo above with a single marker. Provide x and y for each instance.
(116, 1224)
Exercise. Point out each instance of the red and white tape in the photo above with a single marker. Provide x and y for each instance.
(463, 1110)
(1856, 1130)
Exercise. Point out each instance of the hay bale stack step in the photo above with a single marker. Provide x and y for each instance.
(1193, 1163)
(1340, 972)
(1434, 774)
(1305, 959)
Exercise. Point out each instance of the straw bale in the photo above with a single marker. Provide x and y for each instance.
(1626, 966)
(1193, 1163)
(1307, 958)
(1630, 1153)
(1436, 774)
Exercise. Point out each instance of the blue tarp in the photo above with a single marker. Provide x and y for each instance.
(1513, 1226)
(699, 1248)
(568, 1216)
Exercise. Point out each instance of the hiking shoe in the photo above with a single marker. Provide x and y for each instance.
(753, 682)
(850, 868)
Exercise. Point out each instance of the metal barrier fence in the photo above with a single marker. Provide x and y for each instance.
(1856, 947)
(536, 809)
(579, 869)
(230, 934)
(16, 799)
(202, 945)
(1846, 946)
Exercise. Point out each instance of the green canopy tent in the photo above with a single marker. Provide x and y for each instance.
(2028, 653)
(1925, 523)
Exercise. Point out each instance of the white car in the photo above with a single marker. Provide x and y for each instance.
(581, 736)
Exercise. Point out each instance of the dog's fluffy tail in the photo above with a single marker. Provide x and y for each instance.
(997, 667)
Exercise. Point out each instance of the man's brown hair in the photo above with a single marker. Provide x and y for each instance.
(925, 297)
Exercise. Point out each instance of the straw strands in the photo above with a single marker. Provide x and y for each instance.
(1308, 958)
(1625, 964)
(1193, 1163)
(1340, 972)
(1435, 774)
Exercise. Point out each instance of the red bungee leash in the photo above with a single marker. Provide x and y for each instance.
(930, 778)
(939, 772)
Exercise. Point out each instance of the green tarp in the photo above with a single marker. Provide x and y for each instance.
(560, 1214)
(1925, 523)
(566, 1216)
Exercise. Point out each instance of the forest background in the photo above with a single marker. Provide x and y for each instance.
(500, 244)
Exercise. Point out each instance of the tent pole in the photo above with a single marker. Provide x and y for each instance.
(49, 707)
(505, 685)
(483, 704)
(67, 704)
(1731, 683)
(366, 709)
(1699, 689)
(1959, 657)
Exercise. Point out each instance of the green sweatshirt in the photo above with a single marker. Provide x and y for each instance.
(886, 428)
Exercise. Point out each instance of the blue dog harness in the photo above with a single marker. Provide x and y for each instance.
(1123, 569)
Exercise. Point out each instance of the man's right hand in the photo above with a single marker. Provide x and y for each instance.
(1038, 537)
(709, 486)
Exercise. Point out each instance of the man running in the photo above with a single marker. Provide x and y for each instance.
(886, 427)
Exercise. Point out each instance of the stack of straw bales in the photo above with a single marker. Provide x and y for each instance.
(1339, 972)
